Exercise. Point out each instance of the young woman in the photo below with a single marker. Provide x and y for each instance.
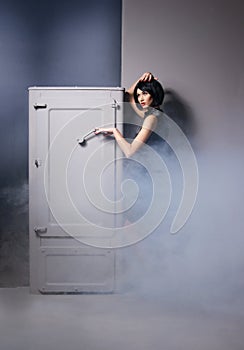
(145, 95)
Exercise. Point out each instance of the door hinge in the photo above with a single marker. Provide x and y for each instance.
(40, 106)
(40, 230)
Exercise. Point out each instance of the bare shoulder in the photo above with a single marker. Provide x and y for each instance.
(150, 122)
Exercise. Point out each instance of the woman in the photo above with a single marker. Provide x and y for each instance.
(145, 95)
(149, 94)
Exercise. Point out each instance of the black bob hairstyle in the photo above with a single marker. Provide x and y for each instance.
(154, 88)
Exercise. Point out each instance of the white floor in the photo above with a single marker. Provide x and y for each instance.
(113, 321)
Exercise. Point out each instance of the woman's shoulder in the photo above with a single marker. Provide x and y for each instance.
(155, 112)
(150, 122)
(155, 117)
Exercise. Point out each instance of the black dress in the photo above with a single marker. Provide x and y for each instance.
(136, 168)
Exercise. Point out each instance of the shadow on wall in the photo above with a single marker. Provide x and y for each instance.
(178, 110)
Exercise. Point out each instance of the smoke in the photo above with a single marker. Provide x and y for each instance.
(201, 265)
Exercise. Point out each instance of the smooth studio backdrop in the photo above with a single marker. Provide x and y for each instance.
(196, 49)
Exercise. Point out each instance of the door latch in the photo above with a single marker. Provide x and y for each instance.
(40, 106)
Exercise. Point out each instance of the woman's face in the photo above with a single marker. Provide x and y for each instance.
(144, 98)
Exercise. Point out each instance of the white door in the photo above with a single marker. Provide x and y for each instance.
(72, 188)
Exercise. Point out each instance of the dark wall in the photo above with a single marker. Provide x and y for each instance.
(53, 42)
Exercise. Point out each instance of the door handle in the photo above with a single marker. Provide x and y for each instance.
(82, 141)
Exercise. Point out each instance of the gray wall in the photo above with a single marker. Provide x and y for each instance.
(44, 43)
(196, 49)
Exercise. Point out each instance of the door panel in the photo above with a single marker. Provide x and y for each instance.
(75, 270)
(72, 187)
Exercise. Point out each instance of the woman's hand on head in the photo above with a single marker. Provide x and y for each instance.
(147, 76)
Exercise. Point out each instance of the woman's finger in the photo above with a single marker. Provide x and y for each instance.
(148, 76)
(97, 131)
